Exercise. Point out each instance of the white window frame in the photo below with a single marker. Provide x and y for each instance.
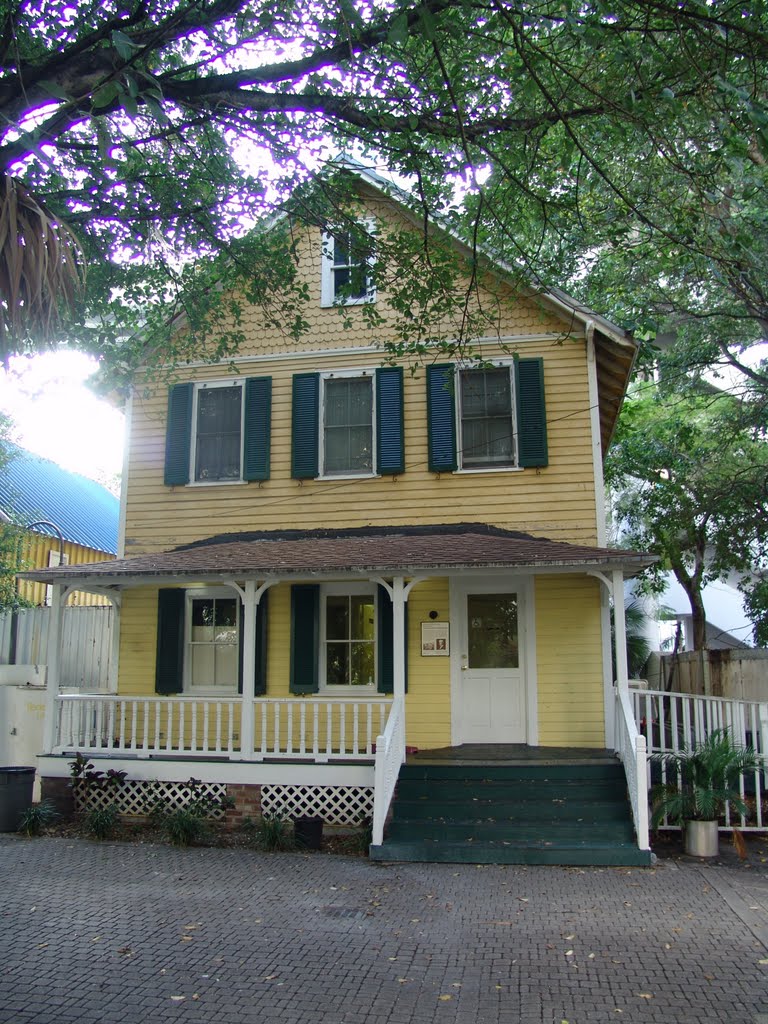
(347, 590)
(209, 385)
(328, 295)
(348, 474)
(198, 594)
(490, 467)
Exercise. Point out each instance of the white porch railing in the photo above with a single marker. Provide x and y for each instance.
(286, 728)
(671, 721)
(631, 749)
(390, 754)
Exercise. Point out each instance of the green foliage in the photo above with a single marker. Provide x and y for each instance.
(621, 148)
(188, 823)
(273, 834)
(689, 474)
(102, 822)
(37, 817)
(361, 839)
(701, 779)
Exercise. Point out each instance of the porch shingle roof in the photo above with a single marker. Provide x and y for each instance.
(378, 550)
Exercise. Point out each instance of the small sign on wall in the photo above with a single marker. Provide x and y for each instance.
(435, 641)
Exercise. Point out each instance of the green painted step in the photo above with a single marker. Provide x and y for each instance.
(580, 789)
(543, 832)
(511, 810)
(506, 772)
(586, 854)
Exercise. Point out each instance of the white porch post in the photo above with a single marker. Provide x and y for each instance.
(620, 630)
(50, 737)
(250, 604)
(398, 639)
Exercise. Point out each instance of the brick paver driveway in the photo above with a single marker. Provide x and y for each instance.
(140, 933)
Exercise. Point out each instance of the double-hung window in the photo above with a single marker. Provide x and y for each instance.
(348, 636)
(486, 418)
(218, 431)
(347, 258)
(213, 634)
(347, 409)
(348, 423)
(218, 428)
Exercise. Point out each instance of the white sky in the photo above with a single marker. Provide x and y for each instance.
(57, 416)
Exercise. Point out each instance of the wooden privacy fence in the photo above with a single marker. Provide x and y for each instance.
(86, 643)
(738, 674)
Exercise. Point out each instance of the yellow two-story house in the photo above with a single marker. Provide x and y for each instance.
(340, 577)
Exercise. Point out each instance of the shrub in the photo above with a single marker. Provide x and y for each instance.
(183, 826)
(273, 834)
(102, 822)
(37, 817)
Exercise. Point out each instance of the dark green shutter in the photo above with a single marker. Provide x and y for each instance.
(305, 418)
(385, 665)
(390, 428)
(256, 428)
(169, 664)
(178, 434)
(260, 682)
(305, 638)
(441, 418)
(531, 412)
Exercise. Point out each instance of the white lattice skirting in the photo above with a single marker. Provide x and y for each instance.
(336, 805)
(137, 797)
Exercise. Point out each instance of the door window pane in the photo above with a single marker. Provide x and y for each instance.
(492, 632)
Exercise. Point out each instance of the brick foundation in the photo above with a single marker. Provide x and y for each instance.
(59, 793)
(247, 804)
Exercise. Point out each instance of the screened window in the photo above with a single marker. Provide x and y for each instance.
(213, 641)
(347, 425)
(487, 420)
(349, 639)
(218, 429)
(347, 258)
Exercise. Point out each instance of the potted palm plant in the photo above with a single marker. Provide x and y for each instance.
(700, 780)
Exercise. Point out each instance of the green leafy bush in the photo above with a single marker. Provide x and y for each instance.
(102, 822)
(37, 817)
(273, 834)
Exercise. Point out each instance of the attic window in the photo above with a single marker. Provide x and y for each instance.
(347, 258)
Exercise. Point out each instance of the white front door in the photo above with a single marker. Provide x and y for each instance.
(489, 703)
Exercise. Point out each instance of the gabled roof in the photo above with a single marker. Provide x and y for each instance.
(33, 488)
(615, 348)
(386, 551)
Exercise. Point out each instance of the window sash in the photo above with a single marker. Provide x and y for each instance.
(348, 436)
(213, 640)
(349, 640)
(218, 433)
(487, 418)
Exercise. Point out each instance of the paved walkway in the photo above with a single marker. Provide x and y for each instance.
(128, 934)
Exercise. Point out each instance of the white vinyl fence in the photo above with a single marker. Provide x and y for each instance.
(85, 648)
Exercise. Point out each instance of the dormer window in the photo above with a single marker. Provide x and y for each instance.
(346, 267)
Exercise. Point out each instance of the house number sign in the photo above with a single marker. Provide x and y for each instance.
(435, 640)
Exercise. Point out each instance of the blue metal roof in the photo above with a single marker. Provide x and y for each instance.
(33, 488)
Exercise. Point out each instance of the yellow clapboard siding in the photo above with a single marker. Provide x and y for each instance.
(36, 549)
(428, 702)
(569, 658)
(557, 501)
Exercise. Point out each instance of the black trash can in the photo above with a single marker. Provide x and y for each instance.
(15, 796)
(308, 833)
